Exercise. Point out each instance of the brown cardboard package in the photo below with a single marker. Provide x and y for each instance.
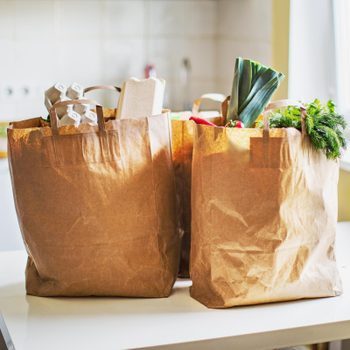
(182, 146)
(264, 212)
(96, 206)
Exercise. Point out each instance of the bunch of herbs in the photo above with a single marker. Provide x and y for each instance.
(324, 125)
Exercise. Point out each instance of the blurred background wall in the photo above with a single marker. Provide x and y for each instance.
(105, 42)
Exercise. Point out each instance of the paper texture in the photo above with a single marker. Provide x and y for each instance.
(182, 145)
(264, 212)
(96, 210)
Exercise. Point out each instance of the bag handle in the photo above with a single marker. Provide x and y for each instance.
(224, 107)
(280, 104)
(102, 87)
(54, 117)
(209, 96)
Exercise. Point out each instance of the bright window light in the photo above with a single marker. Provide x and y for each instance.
(342, 45)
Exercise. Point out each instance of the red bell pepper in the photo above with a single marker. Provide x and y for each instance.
(201, 121)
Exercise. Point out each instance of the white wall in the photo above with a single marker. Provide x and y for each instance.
(244, 29)
(102, 42)
(91, 42)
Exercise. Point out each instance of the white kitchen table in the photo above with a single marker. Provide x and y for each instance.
(176, 322)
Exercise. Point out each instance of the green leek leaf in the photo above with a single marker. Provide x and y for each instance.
(253, 86)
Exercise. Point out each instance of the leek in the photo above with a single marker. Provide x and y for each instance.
(253, 86)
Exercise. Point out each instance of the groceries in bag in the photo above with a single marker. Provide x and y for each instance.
(70, 117)
(263, 226)
(70, 114)
(139, 98)
(96, 205)
(182, 145)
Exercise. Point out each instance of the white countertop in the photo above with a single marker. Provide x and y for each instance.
(174, 322)
(4, 164)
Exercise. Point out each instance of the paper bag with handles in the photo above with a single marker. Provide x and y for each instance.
(182, 145)
(96, 206)
(264, 212)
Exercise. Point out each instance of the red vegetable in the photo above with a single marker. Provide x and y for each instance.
(239, 124)
(201, 121)
(235, 124)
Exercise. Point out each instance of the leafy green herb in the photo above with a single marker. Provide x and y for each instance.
(253, 86)
(324, 125)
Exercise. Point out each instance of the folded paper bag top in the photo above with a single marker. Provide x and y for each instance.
(263, 226)
(96, 206)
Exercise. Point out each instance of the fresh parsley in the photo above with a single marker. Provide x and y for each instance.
(324, 125)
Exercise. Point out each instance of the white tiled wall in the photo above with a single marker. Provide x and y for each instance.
(91, 42)
(244, 29)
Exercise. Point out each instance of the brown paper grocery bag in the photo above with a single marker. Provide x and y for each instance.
(96, 206)
(182, 145)
(264, 212)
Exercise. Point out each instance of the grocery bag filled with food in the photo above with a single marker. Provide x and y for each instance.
(95, 196)
(264, 197)
(182, 145)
